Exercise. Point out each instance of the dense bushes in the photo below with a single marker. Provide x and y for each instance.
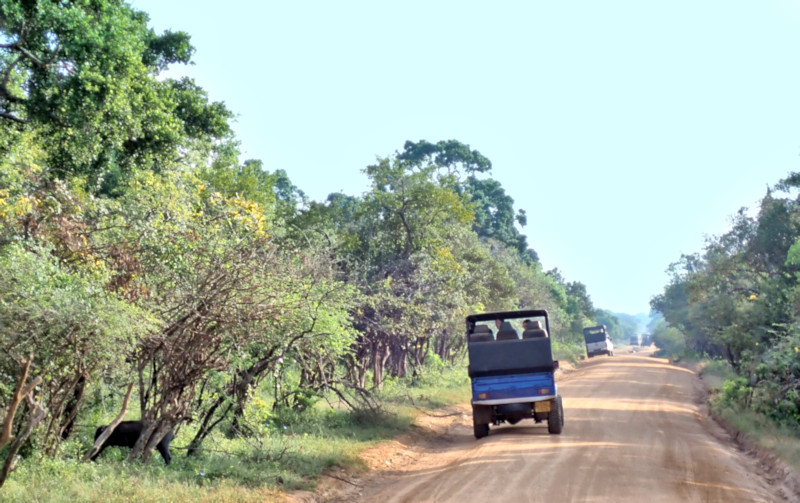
(738, 301)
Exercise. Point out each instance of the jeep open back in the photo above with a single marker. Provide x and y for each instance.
(512, 370)
(598, 342)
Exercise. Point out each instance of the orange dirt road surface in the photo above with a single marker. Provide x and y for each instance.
(635, 430)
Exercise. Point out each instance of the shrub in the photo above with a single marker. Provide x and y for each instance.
(735, 392)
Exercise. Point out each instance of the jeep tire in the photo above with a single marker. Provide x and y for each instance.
(481, 430)
(555, 420)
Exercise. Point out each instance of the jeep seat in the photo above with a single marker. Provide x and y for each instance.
(481, 333)
(507, 332)
(534, 330)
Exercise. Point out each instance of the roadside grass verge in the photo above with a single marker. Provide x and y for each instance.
(68, 481)
(572, 353)
(765, 434)
(284, 451)
(756, 428)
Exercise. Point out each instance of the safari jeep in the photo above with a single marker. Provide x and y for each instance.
(598, 341)
(511, 368)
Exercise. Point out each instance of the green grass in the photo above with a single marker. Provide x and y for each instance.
(68, 481)
(756, 428)
(286, 451)
(783, 442)
(572, 353)
(713, 372)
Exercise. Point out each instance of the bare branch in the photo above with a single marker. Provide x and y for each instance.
(14, 118)
(6, 78)
(110, 429)
(37, 413)
(342, 479)
(28, 54)
(20, 393)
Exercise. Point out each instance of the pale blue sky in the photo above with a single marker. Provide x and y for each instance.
(628, 130)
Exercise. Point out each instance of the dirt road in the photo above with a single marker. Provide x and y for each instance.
(634, 431)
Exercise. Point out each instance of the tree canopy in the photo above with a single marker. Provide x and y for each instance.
(82, 78)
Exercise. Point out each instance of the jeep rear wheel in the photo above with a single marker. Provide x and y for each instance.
(481, 430)
(555, 420)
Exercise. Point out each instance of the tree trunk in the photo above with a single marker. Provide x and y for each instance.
(37, 413)
(98, 443)
(244, 383)
(207, 426)
(399, 355)
(139, 449)
(21, 392)
(381, 354)
(159, 432)
(72, 407)
(441, 346)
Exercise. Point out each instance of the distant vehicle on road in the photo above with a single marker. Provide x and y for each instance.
(512, 371)
(598, 341)
(636, 340)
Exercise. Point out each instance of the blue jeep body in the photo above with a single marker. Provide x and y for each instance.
(513, 388)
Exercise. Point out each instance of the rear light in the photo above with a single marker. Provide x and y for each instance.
(544, 391)
(483, 396)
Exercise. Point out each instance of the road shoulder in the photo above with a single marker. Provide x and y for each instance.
(784, 477)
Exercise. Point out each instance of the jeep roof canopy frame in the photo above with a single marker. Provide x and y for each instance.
(508, 315)
(598, 333)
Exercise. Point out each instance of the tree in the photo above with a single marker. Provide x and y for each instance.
(734, 300)
(493, 208)
(81, 76)
(495, 217)
(621, 326)
(249, 181)
(612, 323)
(449, 154)
(307, 338)
(394, 246)
(409, 208)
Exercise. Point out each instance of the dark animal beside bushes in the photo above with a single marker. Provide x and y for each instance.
(127, 433)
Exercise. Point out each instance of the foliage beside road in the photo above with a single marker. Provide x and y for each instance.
(738, 301)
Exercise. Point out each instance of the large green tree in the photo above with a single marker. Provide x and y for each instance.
(82, 77)
(495, 217)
